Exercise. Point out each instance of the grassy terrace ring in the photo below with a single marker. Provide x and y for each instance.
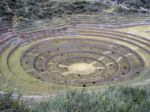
(47, 61)
(80, 61)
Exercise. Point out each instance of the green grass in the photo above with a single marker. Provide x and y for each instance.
(113, 99)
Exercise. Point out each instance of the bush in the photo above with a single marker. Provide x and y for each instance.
(8, 104)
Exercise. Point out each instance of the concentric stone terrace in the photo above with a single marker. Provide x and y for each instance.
(76, 56)
(80, 61)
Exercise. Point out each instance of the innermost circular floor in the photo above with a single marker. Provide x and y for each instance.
(81, 68)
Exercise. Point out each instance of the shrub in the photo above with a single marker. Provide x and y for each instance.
(8, 104)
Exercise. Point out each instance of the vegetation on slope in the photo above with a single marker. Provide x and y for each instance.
(122, 99)
(37, 9)
(9, 104)
(135, 3)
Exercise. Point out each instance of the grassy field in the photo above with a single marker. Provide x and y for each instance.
(113, 99)
(138, 30)
(13, 74)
